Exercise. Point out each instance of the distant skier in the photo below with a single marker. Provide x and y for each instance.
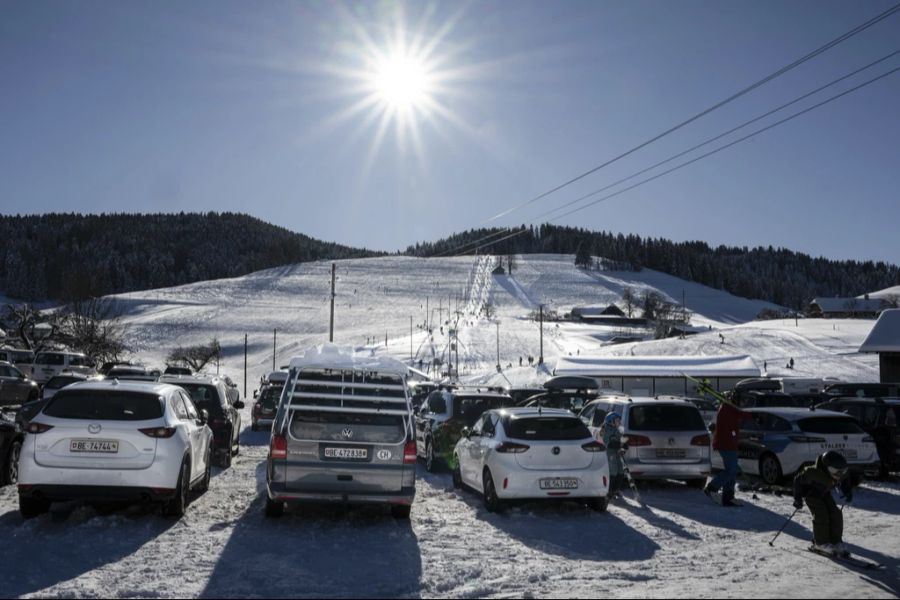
(814, 485)
(612, 438)
(791, 363)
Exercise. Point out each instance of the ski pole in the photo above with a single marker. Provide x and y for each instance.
(788, 520)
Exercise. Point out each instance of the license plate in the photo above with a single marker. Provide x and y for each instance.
(347, 453)
(102, 446)
(558, 483)
(849, 453)
(670, 453)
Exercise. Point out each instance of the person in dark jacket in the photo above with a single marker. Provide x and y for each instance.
(814, 485)
(615, 445)
(725, 442)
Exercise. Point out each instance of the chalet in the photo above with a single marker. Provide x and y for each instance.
(610, 315)
(846, 308)
(884, 340)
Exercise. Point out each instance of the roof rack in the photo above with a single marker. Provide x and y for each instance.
(348, 390)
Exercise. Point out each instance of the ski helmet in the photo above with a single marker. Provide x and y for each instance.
(611, 417)
(835, 463)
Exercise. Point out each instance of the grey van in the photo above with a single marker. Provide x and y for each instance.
(342, 433)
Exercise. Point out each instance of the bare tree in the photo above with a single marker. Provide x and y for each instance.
(94, 327)
(24, 319)
(630, 300)
(196, 357)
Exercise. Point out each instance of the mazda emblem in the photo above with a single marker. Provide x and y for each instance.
(671, 441)
(556, 450)
(94, 428)
(347, 433)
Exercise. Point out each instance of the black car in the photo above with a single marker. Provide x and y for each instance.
(172, 370)
(15, 388)
(10, 447)
(879, 418)
(521, 395)
(760, 399)
(571, 393)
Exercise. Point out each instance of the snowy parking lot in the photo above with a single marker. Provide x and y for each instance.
(679, 545)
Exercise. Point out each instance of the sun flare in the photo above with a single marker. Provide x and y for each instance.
(401, 82)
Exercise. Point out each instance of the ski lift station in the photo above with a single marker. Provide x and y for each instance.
(659, 375)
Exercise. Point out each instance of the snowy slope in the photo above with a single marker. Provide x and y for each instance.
(680, 546)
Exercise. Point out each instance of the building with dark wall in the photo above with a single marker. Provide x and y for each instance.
(884, 340)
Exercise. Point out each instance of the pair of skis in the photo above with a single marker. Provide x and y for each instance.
(847, 559)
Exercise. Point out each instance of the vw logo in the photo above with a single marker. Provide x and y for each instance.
(94, 428)
(347, 433)
(555, 450)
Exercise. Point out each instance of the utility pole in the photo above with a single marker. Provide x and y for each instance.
(541, 356)
(410, 341)
(245, 365)
(427, 314)
(274, 346)
(331, 322)
(498, 345)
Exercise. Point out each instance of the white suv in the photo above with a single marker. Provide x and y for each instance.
(110, 440)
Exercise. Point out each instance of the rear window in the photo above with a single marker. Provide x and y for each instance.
(546, 428)
(833, 425)
(469, 409)
(269, 398)
(665, 417)
(205, 397)
(332, 427)
(104, 405)
(58, 382)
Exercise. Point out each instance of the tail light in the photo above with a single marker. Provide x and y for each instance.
(36, 428)
(511, 448)
(278, 449)
(409, 453)
(158, 432)
(639, 440)
(805, 439)
(594, 446)
(700, 440)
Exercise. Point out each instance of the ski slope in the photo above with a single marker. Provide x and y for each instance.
(679, 546)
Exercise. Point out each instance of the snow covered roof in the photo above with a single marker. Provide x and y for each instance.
(331, 356)
(658, 366)
(885, 334)
(840, 305)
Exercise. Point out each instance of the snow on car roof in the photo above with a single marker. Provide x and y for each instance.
(521, 412)
(793, 414)
(332, 356)
(124, 385)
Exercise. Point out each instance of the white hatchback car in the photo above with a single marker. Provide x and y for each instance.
(111, 440)
(779, 441)
(531, 453)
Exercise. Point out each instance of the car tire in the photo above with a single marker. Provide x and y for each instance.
(11, 472)
(430, 458)
(697, 484)
(457, 475)
(177, 505)
(274, 510)
(770, 469)
(492, 501)
(401, 511)
(598, 504)
(30, 508)
(203, 486)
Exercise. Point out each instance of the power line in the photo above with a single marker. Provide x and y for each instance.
(778, 73)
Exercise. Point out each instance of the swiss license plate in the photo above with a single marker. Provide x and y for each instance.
(849, 452)
(102, 446)
(347, 453)
(670, 453)
(558, 483)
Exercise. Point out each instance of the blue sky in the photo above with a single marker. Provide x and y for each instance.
(262, 108)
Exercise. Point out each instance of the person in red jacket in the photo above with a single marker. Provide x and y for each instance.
(725, 442)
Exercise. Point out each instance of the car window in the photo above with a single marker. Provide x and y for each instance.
(348, 427)
(830, 425)
(870, 416)
(205, 397)
(189, 406)
(772, 423)
(50, 358)
(587, 413)
(178, 407)
(437, 404)
(546, 428)
(600, 414)
(489, 428)
(104, 405)
(4, 371)
(478, 428)
(77, 361)
(665, 417)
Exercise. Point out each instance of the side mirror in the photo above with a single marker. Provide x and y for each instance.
(466, 432)
(255, 394)
(239, 405)
(204, 416)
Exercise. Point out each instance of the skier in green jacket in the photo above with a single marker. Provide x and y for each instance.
(814, 485)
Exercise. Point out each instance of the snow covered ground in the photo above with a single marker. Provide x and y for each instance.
(680, 545)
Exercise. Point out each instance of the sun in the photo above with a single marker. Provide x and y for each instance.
(401, 82)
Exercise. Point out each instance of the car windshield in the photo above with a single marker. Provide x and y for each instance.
(205, 397)
(269, 398)
(50, 358)
(104, 405)
(665, 417)
(469, 408)
(348, 427)
(830, 425)
(546, 428)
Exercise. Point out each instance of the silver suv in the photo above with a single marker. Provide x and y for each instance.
(667, 438)
(342, 433)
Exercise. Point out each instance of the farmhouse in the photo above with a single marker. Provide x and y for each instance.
(846, 308)
(884, 340)
(609, 315)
